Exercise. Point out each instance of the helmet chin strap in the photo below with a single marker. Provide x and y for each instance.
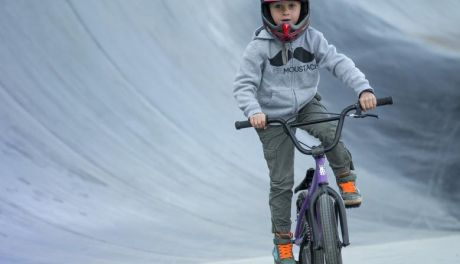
(286, 30)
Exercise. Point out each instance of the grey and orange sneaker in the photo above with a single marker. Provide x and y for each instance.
(350, 193)
(282, 252)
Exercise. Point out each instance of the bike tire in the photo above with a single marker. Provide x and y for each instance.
(309, 255)
(328, 219)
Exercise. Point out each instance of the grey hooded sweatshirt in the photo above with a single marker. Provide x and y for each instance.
(279, 79)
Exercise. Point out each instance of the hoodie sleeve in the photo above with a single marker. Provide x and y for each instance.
(338, 64)
(248, 79)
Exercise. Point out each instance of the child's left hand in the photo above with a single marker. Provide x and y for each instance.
(367, 101)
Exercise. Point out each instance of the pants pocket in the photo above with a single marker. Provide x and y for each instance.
(270, 157)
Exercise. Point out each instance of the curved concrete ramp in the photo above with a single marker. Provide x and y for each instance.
(117, 142)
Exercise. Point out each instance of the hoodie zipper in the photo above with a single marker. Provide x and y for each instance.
(291, 77)
(285, 53)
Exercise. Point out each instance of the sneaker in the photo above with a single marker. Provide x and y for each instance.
(282, 252)
(350, 193)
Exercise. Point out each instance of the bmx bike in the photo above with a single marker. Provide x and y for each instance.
(320, 209)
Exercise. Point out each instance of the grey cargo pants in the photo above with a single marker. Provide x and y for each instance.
(279, 154)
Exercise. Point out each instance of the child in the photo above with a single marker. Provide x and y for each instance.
(278, 77)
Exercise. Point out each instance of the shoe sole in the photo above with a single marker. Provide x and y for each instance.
(353, 203)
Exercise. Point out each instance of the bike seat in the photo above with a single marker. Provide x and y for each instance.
(305, 184)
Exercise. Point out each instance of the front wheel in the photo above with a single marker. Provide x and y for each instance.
(309, 255)
(331, 243)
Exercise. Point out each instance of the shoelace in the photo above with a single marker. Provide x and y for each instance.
(285, 251)
(348, 187)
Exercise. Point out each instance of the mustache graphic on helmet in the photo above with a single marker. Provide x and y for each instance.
(299, 53)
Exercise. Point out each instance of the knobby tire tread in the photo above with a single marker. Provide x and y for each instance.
(331, 241)
(310, 255)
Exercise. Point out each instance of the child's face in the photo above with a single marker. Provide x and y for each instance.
(285, 12)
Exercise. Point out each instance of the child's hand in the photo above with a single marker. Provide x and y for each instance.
(258, 120)
(367, 101)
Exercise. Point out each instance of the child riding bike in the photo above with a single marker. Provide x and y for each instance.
(279, 77)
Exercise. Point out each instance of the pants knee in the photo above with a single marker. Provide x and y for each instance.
(284, 185)
(327, 136)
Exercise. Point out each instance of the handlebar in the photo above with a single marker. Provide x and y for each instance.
(320, 149)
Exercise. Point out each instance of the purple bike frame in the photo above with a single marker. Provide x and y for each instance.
(320, 177)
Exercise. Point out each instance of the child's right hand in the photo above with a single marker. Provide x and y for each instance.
(258, 120)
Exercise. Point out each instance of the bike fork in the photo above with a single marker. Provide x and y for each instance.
(340, 210)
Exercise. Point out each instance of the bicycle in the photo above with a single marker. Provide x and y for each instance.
(318, 205)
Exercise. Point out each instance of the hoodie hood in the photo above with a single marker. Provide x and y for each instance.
(261, 33)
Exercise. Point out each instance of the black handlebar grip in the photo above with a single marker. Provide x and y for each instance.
(242, 124)
(385, 101)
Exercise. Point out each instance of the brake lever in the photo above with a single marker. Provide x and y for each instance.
(372, 115)
(359, 115)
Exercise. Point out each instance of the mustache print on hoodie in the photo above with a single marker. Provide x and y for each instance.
(299, 53)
